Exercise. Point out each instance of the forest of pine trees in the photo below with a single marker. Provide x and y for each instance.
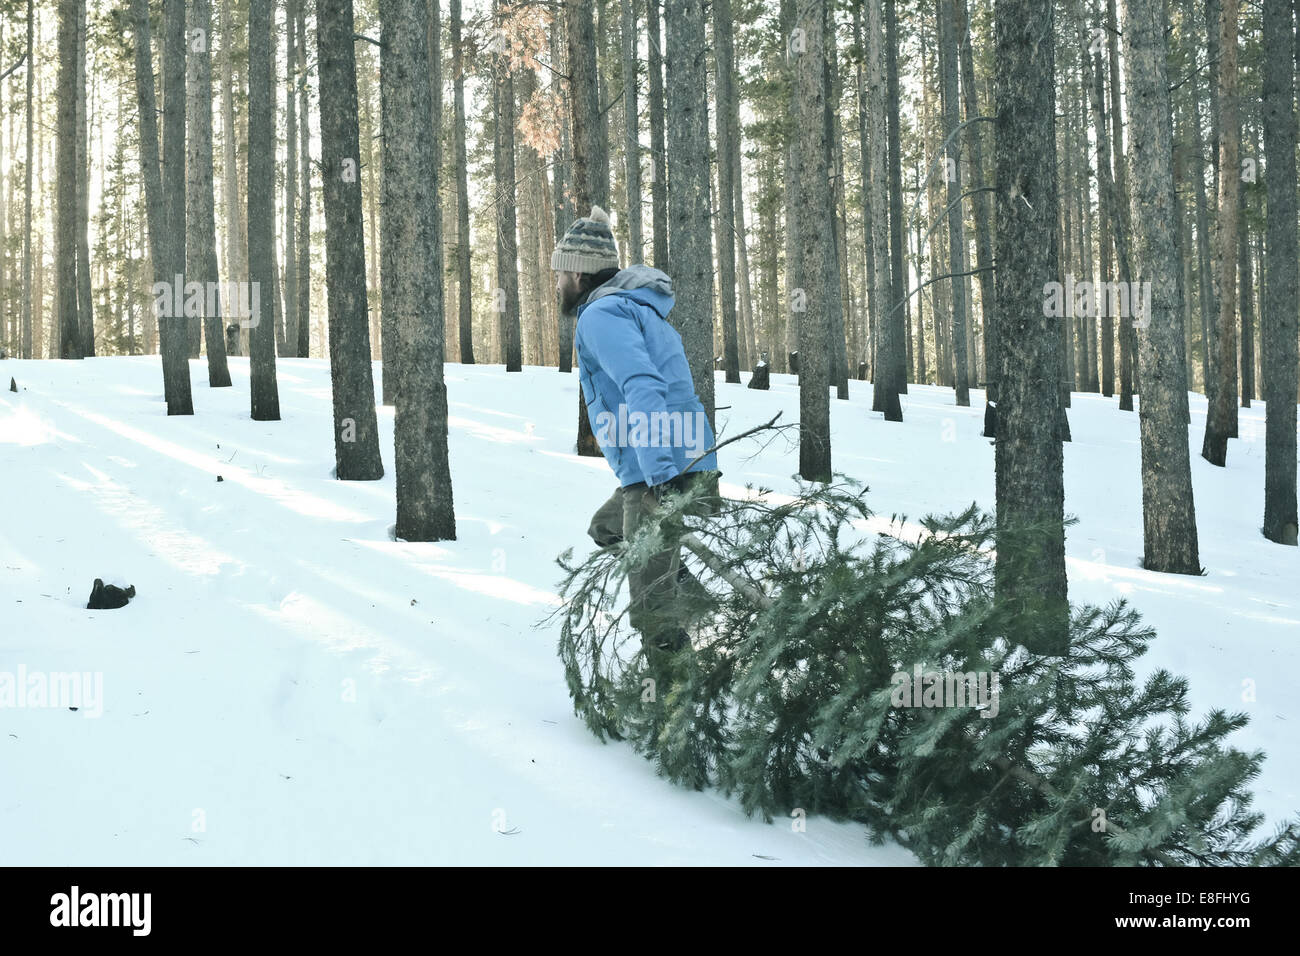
(1026, 198)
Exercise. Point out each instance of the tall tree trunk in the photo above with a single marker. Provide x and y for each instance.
(1282, 282)
(1030, 564)
(724, 45)
(464, 281)
(265, 395)
(1168, 511)
(1247, 285)
(356, 433)
(26, 332)
(165, 194)
(71, 12)
(200, 214)
(658, 153)
(1221, 421)
(1208, 303)
(303, 244)
(590, 160)
(85, 302)
(590, 153)
(957, 255)
(818, 265)
(236, 268)
(1094, 79)
(412, 277)
(839, 226)
(562, 203)
(631, 130)
(688, 192)
(1128, 345)
(889, 319)
(897, 230)
(506, 299)
(290, 181)
(793, 267)
(983, 214)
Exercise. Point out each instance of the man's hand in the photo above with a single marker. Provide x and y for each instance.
(673, 486)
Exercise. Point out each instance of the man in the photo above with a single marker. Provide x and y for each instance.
(644, 413)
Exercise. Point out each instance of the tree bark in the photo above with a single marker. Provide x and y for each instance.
(658, 153)
(631, 132)
(1221, 420)
(200, 213)
(957, 256)
(65, 236)
(303, 244)
(725, 94)
(889, 319)
(356, 433)
(412, 277)
(1030, 565)
(506, 299)
(264, 393)
(807, 46)
(1282, 282)
(465, 307)
(1168, 510)
(688, 194)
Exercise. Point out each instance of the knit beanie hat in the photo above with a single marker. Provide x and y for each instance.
(587, 245)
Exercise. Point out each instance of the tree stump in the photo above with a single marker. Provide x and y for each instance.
(761, 378)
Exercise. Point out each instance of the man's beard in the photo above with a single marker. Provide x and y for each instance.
(569, 299)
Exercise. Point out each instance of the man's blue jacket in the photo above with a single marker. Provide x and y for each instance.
(640, 397)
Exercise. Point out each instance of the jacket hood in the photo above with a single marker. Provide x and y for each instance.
(644, 284)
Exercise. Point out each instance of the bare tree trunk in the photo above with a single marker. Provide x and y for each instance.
(957, 256)
(71, 12)
(290, 181)
(688, 193)
(506, 299)
(26, 332)
(1030, 565)
(983, 214)
(264, 393)
(464, 281)
(724, 93)
(85, 304)
(1221, 421)
(1128, 345)
(658, 153)
(819, 268)
(889, 314)
(303, 270)
(1278, 327)
(793, 268)
(356, 433)
(897, 230)
(590, 153)
(412, 276)
(236, 268)
(200, 214)
(1168, 511)
(631, 128)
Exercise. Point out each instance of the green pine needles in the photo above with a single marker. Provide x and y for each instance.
(862, 669)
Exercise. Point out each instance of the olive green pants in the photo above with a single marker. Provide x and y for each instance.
(658, 585)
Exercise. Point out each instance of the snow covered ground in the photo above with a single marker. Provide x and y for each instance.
(291, 685)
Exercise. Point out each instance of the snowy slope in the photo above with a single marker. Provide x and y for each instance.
(293, 686)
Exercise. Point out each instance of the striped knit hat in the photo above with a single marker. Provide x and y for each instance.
(587, 246)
